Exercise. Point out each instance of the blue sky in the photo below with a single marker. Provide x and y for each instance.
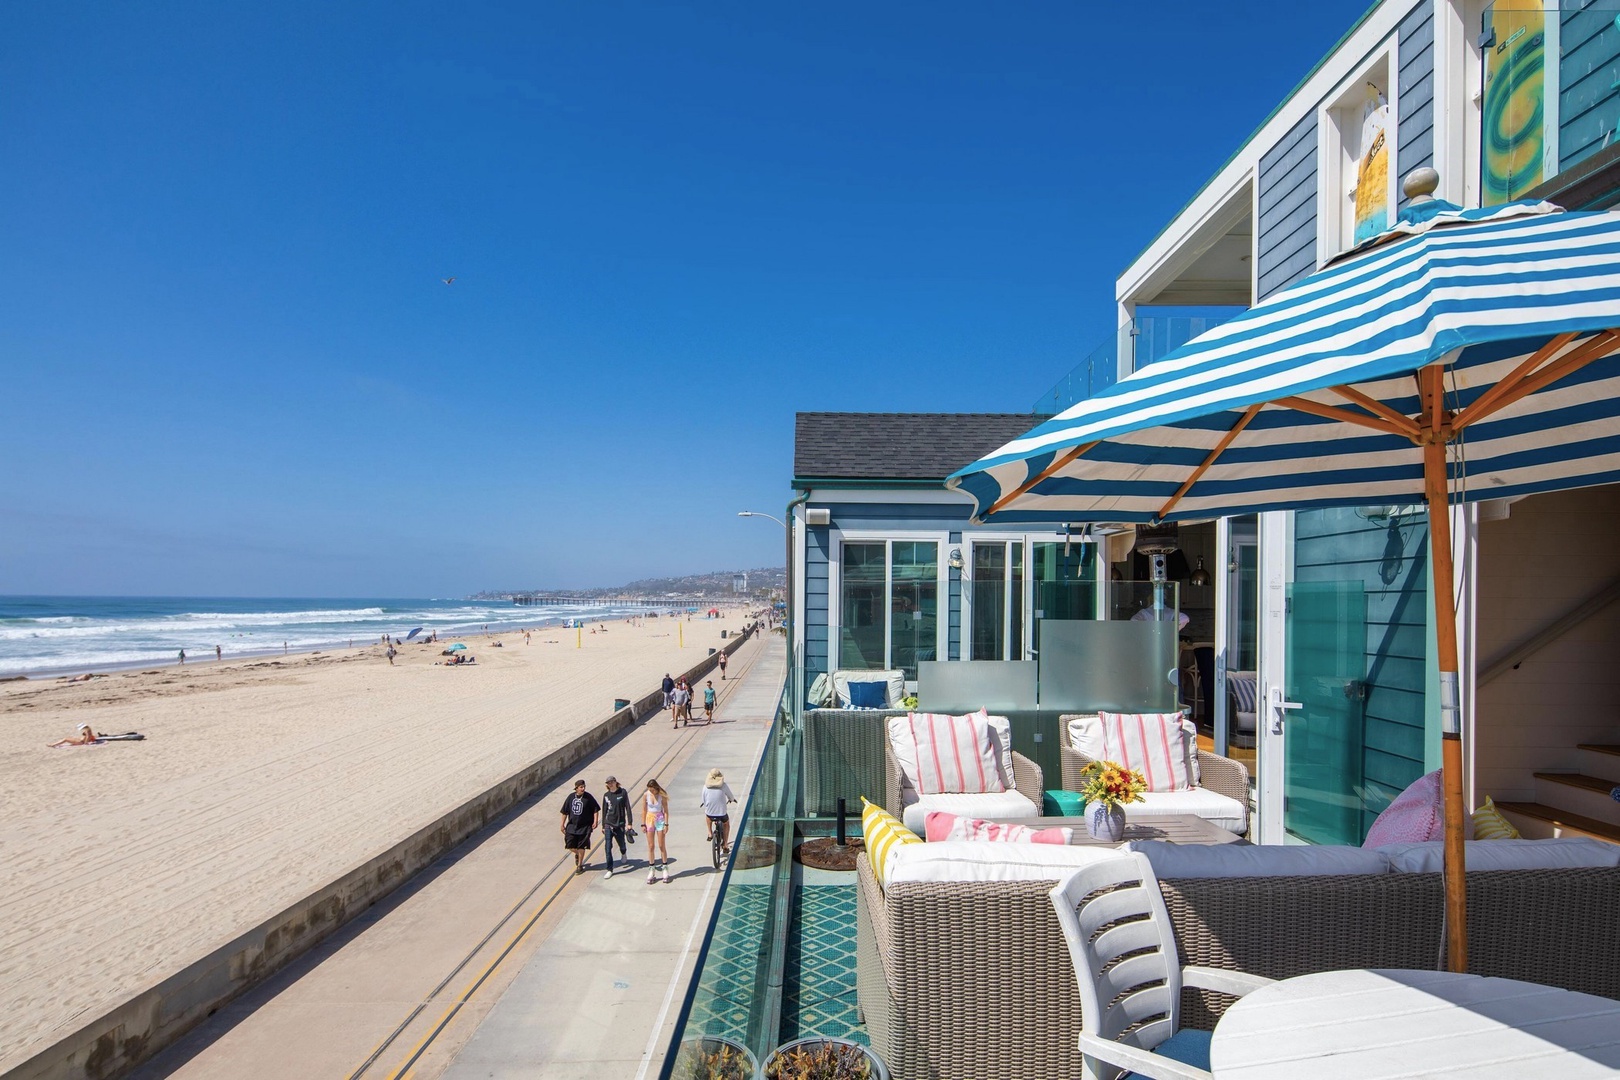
(230, 367)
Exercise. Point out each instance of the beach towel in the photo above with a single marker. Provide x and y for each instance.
(128, 736)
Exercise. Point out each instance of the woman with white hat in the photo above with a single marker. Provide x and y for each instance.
(716, 794)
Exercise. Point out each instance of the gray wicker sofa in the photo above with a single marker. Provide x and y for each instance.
(972, 981)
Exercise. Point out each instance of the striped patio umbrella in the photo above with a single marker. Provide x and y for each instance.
(1462, 355)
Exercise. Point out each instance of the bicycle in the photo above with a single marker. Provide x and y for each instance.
(717, 841)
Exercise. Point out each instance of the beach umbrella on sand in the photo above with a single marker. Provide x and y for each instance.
(413, 633)
(1463, 355)
(457, 647)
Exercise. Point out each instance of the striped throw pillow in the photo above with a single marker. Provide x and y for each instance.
(884, 835)
(955, 755)
(1154, 744)
(1489, 824)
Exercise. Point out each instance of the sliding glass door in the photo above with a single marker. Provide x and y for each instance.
(996, 600)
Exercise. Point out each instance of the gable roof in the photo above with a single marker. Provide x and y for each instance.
(910, 447)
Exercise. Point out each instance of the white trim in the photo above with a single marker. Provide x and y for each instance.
(1226, 552)
(821, 497)
(1275, 535)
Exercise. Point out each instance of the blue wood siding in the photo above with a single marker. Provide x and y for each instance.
(1414, 95)
(815, 603)
(1588, 80)
(1287, 233)
(1392, 568)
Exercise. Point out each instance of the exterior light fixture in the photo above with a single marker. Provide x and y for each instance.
(956, 558)
(1199, 576)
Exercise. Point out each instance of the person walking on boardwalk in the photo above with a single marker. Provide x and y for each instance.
(722, 663)
(716, 794)
(615, 822)
(669, 689)
(655, 823)
(681, 698)
(579, 814)
(708, 701)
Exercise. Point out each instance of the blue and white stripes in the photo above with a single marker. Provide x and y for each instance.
(1476, 290)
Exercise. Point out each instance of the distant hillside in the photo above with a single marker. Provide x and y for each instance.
(716, 583)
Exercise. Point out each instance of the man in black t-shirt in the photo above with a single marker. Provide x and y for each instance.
(579, 812)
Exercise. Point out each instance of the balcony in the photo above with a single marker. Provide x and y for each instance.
(1149, 337)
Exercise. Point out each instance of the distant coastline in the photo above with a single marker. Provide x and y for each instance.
(54, 636)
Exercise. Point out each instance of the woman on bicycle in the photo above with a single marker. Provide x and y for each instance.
(716, 794)
(655, 822)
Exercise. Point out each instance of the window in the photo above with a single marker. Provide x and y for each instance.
(997, 601)
(888, 605)
(1065, 580)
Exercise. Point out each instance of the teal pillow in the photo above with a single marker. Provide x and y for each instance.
(868, 695)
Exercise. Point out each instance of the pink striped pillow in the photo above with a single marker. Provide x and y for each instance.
(955, 755)
(1154, 744)
(939, 825)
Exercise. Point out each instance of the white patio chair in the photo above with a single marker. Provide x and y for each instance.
(1124, 953)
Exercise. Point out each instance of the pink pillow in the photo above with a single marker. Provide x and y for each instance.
(939, 825)
(1415, 817)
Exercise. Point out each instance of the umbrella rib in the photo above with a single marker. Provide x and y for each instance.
(1598, 347)
(1226, 440)
(1486, 401)
(1333, 412)
(1405, 423)
(1057, 463)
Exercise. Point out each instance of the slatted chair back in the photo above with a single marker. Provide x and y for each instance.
(1124, 953)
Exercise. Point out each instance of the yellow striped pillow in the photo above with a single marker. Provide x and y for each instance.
(884, 834)
(1489, 824)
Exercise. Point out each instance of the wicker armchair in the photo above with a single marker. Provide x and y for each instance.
(1217, 774)
(1027, 781)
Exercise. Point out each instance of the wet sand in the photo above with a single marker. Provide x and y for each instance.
(259, 781)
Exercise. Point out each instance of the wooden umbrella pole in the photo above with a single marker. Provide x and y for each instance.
(1445, 613)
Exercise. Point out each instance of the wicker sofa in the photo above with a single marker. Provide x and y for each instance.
(1218, 776)
(973, 981)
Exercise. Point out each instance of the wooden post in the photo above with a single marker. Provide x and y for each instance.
(1441, 584)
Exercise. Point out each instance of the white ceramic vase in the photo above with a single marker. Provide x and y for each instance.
(1105, 822)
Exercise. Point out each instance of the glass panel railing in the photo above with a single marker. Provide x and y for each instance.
(1159, 331)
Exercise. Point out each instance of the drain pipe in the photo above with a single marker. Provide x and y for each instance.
(790, 624)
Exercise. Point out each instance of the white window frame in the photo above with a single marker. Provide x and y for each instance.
(1336, 170)
(835, 587)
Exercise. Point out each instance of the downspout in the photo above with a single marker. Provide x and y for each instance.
(795, 672)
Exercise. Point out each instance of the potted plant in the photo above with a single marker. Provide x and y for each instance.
(823, 1058)
(715, 1057)
(1108, 787)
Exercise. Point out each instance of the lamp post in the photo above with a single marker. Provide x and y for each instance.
(787, 584)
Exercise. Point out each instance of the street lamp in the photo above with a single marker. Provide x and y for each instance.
(788, 582)
(756, 513)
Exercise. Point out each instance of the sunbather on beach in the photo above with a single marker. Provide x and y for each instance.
(85, 737)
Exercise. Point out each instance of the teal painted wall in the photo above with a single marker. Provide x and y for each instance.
(1588, 80)
(1389, 561)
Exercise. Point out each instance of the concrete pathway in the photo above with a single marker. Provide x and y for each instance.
(499, 961)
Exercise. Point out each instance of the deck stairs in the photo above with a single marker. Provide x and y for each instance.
(1574, 803)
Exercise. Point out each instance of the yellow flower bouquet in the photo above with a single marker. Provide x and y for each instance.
(1107, 787)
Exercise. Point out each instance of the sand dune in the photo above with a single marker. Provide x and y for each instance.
(259, 781)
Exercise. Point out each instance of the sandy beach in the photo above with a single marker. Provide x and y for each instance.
(258, 781)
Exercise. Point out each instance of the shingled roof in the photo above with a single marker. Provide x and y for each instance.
(897, 446)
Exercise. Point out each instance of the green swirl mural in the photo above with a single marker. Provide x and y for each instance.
(1514, 125)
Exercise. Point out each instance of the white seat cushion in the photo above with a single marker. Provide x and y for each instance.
(1212, 806)
(980, 860)
(999, 804)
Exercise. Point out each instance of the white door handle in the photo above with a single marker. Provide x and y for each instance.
(1279, 706)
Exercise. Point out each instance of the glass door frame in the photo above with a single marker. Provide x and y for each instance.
(1028, 540)
(1276, 552)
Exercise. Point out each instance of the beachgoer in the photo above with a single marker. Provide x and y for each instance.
(669, 688)
(391, 654)
(680, 697)
(615, 823)
(708, 701)
(182, 656)
(85, 737)
(722, 667)
(579, 812)
(716, 794)
(219, 654)
(655, 823)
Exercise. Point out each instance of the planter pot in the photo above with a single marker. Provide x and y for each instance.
(1105, 822)
(714, 1057)
(854, 1056)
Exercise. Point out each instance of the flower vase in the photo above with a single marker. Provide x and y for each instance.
(1106, 821)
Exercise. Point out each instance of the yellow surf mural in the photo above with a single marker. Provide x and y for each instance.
(1372, 172)
(1518, 134)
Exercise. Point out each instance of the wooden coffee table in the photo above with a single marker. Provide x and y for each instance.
(1176, 828)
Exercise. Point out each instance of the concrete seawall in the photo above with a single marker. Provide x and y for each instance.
(117, 1041)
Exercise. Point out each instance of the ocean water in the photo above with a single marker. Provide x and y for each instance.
(65, 634)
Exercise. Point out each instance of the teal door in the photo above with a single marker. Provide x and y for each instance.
(1323, 747)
